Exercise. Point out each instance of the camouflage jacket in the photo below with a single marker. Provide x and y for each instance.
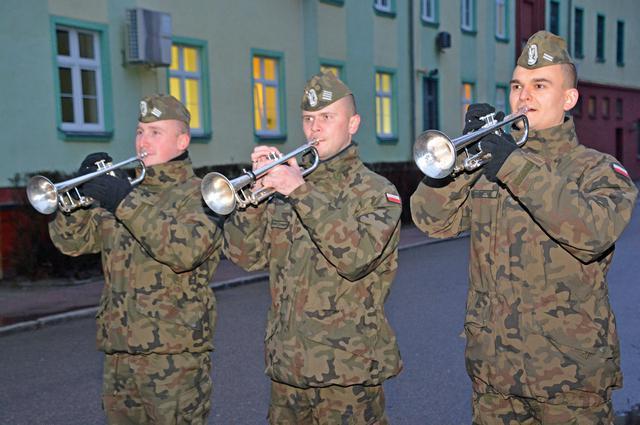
(331, 248)
(158, 258)
(538, 320)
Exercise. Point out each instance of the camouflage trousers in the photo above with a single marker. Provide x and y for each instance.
(333, 405)
(495, 409)
(157, 389)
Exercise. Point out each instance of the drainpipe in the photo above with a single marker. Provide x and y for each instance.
(412, 80)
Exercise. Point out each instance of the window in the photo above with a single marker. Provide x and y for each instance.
(501, 99)
(80, 81)
(266, 96)
(430, 103)
(554, 17)
(466, 98)
(591, 107)
(577, 110)
(385, 120)
(384, 7)
(605, 107)
(334, 2)
(619, 109)
(467, 15)
(336, 69)
(620, 43)
(578, 33)
(600, 39)
(502, 20)
(187, 83)
(429, 12)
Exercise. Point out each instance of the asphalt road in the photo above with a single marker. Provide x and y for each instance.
(52, 375)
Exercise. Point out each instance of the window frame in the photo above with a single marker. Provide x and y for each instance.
(430, 20)
(471, 28)
(206, 132)
(504, 38)
(578, 33)
(279, 136)
(391, 137)
(601, 38)
(339, 3)
(555, 3)
(380, 10)
(103, 131)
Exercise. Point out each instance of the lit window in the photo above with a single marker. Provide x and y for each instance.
(429, 11)
(467, 15)
(466, 98)
(501, 19)
(384, 105)
(266, 95)
(80, 80)
(185, 82)
(336, 70)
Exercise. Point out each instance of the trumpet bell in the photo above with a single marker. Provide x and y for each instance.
(42, 194)
(218, 193)
(434, 154)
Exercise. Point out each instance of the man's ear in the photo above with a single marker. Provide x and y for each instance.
(354, 124)
(570, 99)
(183, 141)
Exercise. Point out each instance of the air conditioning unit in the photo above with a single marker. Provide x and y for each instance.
(148, 37)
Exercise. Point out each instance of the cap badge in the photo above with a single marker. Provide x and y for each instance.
(312, 97)
(143, 108)
(156, 112)
(533, 54)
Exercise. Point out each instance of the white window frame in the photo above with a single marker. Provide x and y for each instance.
(426, 6)
(269, 83)
(183, 75)
(466, 11)
(383, 5)
(77, 65)
(501, 19)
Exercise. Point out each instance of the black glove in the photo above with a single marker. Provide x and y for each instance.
(500, 147)
(108, 190)
(89, 163)
(472, 121)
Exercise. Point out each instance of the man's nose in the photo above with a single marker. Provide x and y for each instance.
(525, 94)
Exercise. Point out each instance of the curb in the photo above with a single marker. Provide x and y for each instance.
(225, 284)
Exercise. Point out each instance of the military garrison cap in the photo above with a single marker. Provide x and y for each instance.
(543, 49)
(322, 90)
(163, 107)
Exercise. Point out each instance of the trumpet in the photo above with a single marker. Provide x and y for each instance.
(46, 197)
(223, 195)
(435, 154)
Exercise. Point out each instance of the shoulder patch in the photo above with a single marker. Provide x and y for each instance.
(393, 198)
(620, 170)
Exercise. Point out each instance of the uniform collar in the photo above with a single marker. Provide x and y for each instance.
(338, 163)
(552, 141)
(175, 171)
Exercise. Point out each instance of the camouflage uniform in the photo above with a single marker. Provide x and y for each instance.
(331, 251)
(538, 320)
(157, 313)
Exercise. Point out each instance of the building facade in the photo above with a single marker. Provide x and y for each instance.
(74, 72)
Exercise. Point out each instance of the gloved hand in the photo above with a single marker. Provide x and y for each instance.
(108, 190)
(500, 148)
(89, 163)
(472, 121)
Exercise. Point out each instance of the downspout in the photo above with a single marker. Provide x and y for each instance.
(412, 82)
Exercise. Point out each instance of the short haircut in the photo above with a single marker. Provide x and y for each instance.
(570, 75)
(352, 104)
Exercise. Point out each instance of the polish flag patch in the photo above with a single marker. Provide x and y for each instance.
(393, 198)
(620, 170)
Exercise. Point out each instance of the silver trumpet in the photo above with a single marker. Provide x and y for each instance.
(435, 154)
(46, 197)
(223, 195)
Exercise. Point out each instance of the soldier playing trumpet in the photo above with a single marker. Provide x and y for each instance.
(159, 252)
